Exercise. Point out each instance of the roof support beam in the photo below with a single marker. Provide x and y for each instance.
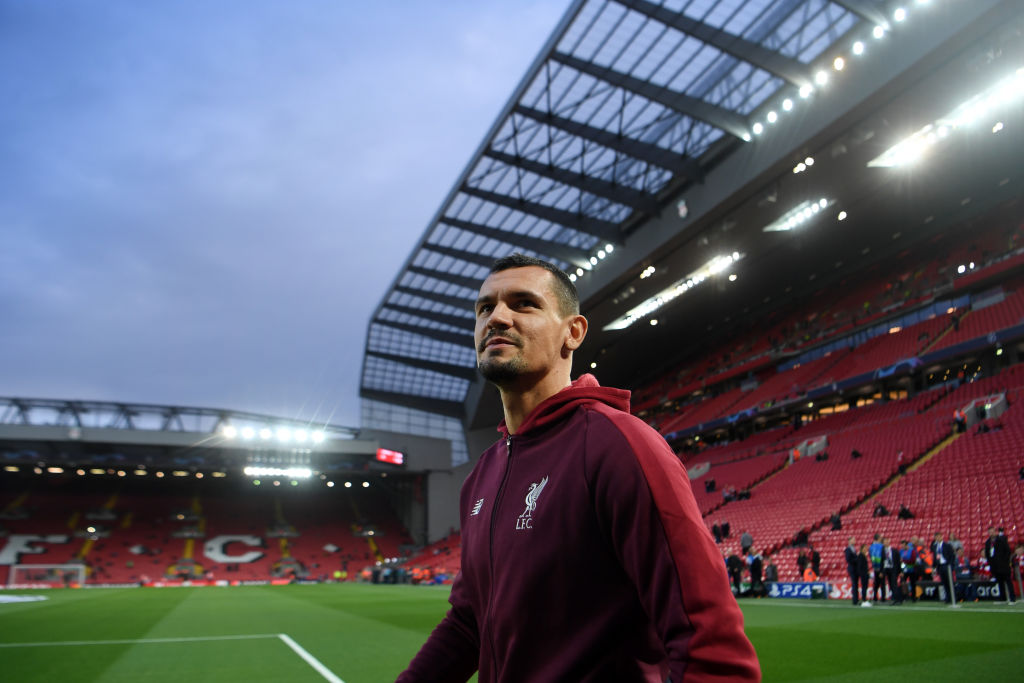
(636, 200)
(443, 318)
(463, 340)
(788, 68)
(694, 107)
(605, 230)
(865, 10)
(563, 252)
(425, 403)
(644, 151)
(460, 280)
(461, 254)
(448, 299)
(460, 371)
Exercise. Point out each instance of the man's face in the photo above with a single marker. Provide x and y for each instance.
(520, 329)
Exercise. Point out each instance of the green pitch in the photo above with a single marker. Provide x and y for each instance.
(365, 634)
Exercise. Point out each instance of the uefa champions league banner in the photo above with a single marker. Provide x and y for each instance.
(803, 590)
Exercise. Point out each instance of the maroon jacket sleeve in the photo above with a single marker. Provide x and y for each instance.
(452, 652)
(658, 534)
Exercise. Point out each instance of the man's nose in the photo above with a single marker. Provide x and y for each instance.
(501, 316)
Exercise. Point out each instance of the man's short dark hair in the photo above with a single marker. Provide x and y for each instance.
(564, 289)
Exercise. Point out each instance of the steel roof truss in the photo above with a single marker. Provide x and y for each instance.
(463, 340)
(473, 257)
(563, 252)
(443, 318)
(693, 107)
(460, 280)
(644, 151)
(638, 201)
(448, 299)
(605, 230)
(460, 371)
(749, 51)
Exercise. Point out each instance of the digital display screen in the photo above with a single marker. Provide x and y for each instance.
(389, 456)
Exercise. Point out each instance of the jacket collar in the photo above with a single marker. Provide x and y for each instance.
(585, 390)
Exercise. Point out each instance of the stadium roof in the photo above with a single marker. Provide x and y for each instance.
(627, 104)
(629, 135)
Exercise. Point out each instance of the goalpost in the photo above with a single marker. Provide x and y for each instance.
(49, 574)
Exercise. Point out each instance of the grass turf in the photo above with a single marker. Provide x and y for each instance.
(365, 634)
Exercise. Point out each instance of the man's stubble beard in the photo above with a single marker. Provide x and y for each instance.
(502, 372)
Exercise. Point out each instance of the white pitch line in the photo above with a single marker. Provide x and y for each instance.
(310, 659)
(141, 640)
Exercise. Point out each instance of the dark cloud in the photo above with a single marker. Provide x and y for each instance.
(201, 203)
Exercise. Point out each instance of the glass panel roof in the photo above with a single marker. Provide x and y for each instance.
(627, 98)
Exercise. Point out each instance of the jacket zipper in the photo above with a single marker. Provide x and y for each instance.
(490, 551)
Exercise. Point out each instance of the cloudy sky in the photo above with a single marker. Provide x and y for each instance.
(202, 202)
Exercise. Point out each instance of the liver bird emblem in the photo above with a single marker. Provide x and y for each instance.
(533, 494)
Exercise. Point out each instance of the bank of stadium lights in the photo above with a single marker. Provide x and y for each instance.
(804, 165)
(984, 106)
(798, 215)
(592, 262)
(288, 472)
(283, 434)
(713, 267)
(821, 77)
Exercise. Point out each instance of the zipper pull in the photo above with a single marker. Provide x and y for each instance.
(508, 444)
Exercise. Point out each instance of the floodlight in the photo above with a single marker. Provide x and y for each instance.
(821, 78)
(301, 435)
(998, 127)
(229, 432)
(878, 32)
(654, 322)
(732, 277)
(366, 484)
(266, 433)
(805, 91)
(600, 253)
(284, 434)
(579, 272)
(248, 432)
(572, 277)
(772, 117)
(809, 161)
(609, 248)
(593, 365)
(317, 436)
(899, 14)
(858, 48)
(841, 216)
(758, 128)
(330, 484)
(787, 104)
(348, 484)
(746, 137)
(838, 63)
(593, 260)
(961, 269)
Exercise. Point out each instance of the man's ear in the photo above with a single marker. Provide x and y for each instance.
(576, 333)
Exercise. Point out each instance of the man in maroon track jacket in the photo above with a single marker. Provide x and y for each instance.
(584, 556)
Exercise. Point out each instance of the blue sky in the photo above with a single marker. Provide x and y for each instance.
(202, 202)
